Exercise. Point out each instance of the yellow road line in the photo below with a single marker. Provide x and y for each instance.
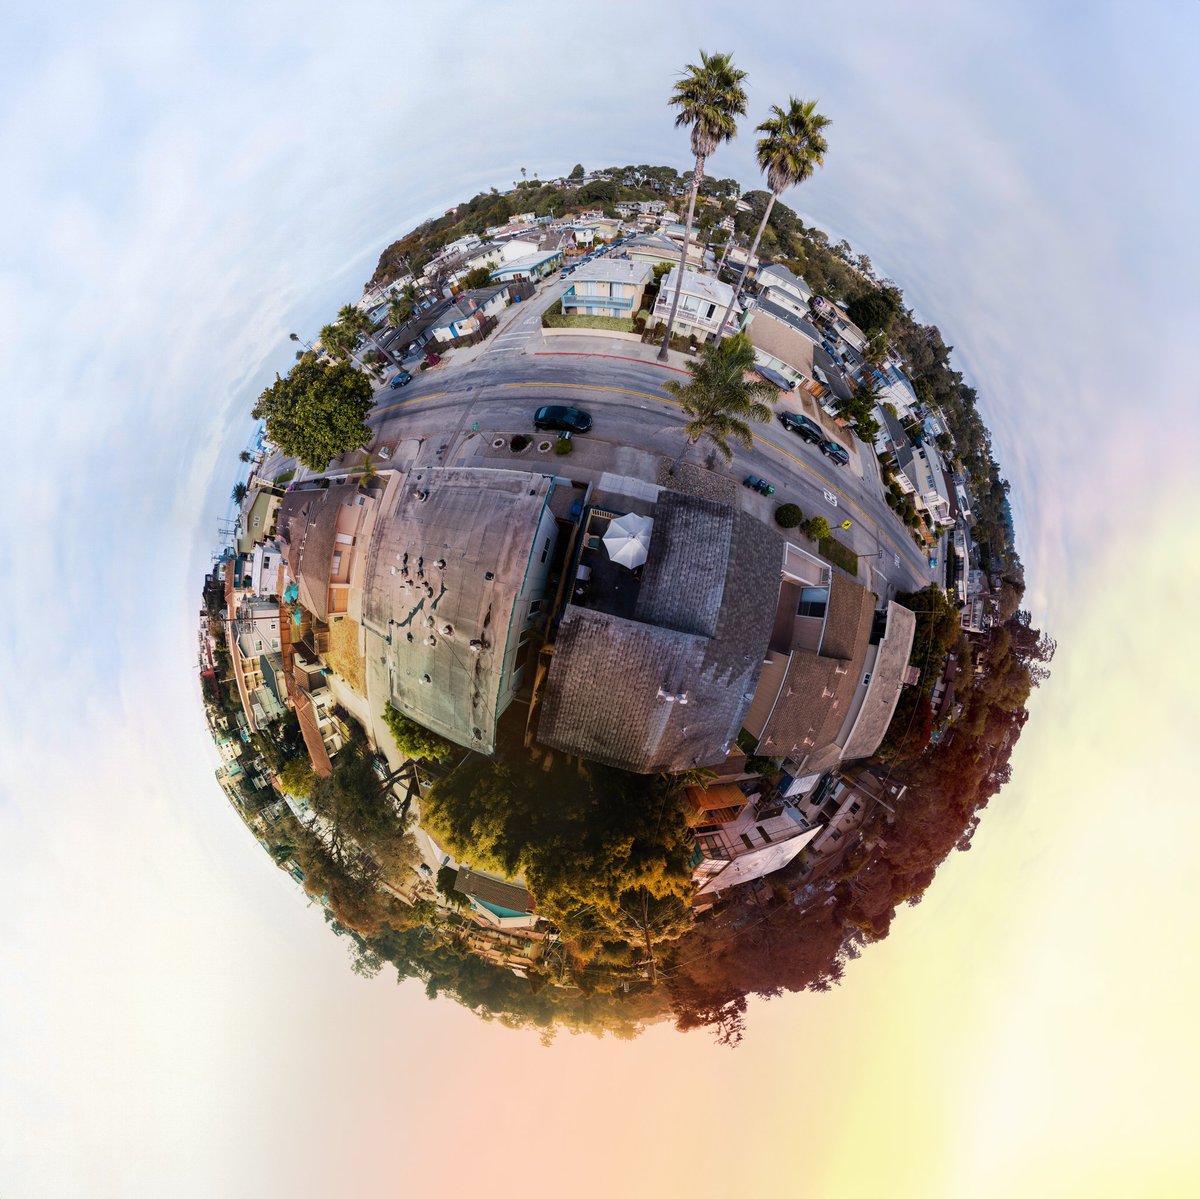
(433, 395)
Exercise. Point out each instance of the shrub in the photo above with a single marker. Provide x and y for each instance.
(424, 366)
(414, 740)
(788, 516)
(817, 528)
(564, 446)
(518, 442)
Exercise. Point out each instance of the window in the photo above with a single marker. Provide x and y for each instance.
(545, 549)
(535, 607)
(855, 808)
(762, 832)
(747, 842)
(522, 656)
(713, 846)
(812, 601)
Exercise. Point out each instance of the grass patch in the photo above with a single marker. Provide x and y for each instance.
(284, 477)
(554, 318)
(832, 550)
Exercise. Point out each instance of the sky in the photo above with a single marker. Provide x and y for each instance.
(187, 183)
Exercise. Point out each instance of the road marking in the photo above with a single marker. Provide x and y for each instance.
(433, 395)
(830, 497)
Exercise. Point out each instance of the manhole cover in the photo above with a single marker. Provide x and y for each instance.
(498, 443)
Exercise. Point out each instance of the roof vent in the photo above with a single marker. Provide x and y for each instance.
(476, 644)
(426, 679)
(447, 630)
(489, 575)
(441, 564)
(431, 641)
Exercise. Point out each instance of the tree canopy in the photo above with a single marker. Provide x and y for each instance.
(415, 740)
(316, 411)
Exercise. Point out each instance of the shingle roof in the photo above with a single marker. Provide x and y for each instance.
(683, 581)
(487, 888)
(782, 340)
(798, 323)
(782, 273)
(308, 524)
(818, 689)
(847, 602)
(648, 697)
(613, 270)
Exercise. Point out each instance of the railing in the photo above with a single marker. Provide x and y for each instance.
(573, 299)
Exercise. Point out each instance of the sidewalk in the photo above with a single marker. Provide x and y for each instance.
(583, 345)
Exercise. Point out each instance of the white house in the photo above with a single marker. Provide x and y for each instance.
(535, 265)
(702, 303)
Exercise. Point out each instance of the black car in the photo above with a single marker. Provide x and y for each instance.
(831, 449)
(807, 429)
(400, 378)
(562, 420)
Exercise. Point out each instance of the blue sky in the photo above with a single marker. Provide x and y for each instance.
(187, 183)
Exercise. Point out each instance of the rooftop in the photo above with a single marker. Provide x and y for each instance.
(612, 270)
(667, 688)
(447, 563)
(707, 287)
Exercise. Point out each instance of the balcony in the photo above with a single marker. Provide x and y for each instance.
(573, 299)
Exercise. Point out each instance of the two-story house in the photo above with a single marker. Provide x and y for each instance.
(702, 304)
(607, 287)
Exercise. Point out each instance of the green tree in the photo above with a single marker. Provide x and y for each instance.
(238, 493)
(399, 310)
(358, 324)
(709, 98)
(876, 310)
(817, 527)
(480, 276)
(791, 148)
(718, 401)
(298, 778)
(414, 740)
(877, 348)
(245, 456)
(576, 172)
(316, 411)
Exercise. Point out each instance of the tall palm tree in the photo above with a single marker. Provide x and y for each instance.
(399, 310)
(718, 400)
(356, 322)
(245, 456)
(710, 98)
(238, 493)
(791, 148)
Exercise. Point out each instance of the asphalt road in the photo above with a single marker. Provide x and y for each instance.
(518, 370)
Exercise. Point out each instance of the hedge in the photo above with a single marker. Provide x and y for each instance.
(834, 551)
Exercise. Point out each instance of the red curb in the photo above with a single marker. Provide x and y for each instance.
(619, 357)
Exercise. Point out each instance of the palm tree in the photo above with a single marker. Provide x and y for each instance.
(718, 400)
(246, 456)
(399, 310)
(791, 148)
(238, 493)
(356, 322)
(710, 98)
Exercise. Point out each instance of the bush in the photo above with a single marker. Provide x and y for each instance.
(788, 516)
(415, 740)
(518, 442)
(564, 446)
(834, 551)
(817, 528)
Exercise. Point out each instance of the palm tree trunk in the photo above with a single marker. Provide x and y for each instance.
(724, 255)
(697, 175)
(737, 291)
(687, 445)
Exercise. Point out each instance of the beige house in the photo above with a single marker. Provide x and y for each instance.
(702, 304)
(607, 287)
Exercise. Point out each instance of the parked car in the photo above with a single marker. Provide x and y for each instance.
(809, 430)
(562, 420)
(400, 378)
(831, 449)
(759, 485)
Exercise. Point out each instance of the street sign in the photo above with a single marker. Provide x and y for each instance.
(847, 524)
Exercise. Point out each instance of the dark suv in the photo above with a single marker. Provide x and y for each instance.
(562, 420)
(831, 449)
(807, 429)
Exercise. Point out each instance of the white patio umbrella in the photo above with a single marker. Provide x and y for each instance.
(628, 539)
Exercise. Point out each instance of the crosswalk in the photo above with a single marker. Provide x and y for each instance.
(515, 338)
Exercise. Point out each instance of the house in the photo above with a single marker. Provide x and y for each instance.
(455, 583)
(832, 671)
(919, 473)
(469, 311)
(314, 704)
(327, 531)
(607, 287)
(256, 518)
(500, 902)
(764, 837)
(655, 671)
(254, 633)
(702, 304)
(266, 569)
(783, 343)
(560, 240)
(535, 265)
(842, 802)
(653, 248)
